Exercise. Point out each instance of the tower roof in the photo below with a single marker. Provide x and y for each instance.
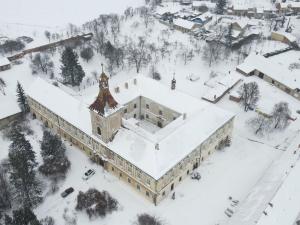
(104, 100)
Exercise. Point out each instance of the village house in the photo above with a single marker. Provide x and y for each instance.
(12, 110)
(284, 37)
(183, 25)
(203, 6)
(272, 72)
(4, 64)
(289, 6)
(147, 134)
(203, 19)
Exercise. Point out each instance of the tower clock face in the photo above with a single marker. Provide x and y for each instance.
(104, 84)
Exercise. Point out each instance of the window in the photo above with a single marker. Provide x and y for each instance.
(273, 81)
(174, 118)
(160, 112)
(180, 179)
(125, 110)
(147, 116)
(129, 181)
(120, 174)
(112, 168)
(209, 153)
(188, 172)
(164, 193)
(148, 181)
(134, 106)
(147, 193)
(134, 115)
(138, 187)
(99, 130)
(147, 106)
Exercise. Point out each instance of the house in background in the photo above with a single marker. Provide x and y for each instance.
(284, 37)
(272, 72)
(4, 64)
(184, 25)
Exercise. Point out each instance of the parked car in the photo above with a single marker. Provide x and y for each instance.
(196, 175)
(66, 192)
(88, 174)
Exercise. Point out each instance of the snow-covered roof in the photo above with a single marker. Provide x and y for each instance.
(205, 16)
(62, 104)
(175, 141)
(291, 38)
(290, 4)
(272, 69)
(208, 4)
(222, 86)
(9, 105)
(183, 23)
(4, 61)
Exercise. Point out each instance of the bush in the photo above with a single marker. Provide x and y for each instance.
(20, 125)
(48, 221)
(146, 219)
(87, 53)
(96, 203)
(10, 46)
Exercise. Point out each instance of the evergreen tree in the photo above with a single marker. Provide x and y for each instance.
(87, 53)
(22, 175)
(53, 153)
(71, 70)
(22, 216)
(22, 101)
(5, 194)
(220, 6)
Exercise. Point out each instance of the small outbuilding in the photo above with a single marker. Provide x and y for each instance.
(4, 64)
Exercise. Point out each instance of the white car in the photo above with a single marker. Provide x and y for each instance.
(88, 174)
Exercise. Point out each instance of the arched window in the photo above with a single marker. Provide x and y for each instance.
(99, 130)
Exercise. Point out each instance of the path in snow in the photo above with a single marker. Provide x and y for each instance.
(252, 207)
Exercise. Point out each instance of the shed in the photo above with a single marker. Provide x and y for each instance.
(4, 64)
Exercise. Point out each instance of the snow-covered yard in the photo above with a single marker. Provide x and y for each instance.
(237, 171)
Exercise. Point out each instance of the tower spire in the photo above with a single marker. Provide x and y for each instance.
(102, 67)
(173, 82)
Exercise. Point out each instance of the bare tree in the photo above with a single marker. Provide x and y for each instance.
(249, 95)
(48, 35)
(2, 86)
(41, 62)
(137, 54)
(261, 124)
(281, 115)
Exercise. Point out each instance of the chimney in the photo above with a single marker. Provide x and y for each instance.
(117, 89)
(126, 85)
(184, 116)
(173, 83)
(157, 146)
(135, 81)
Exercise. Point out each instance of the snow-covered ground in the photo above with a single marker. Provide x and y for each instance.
(235, 172)
(57, 13)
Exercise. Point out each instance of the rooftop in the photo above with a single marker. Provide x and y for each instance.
(183, 23)
(272, 69)
(4, 61)
(175, 141)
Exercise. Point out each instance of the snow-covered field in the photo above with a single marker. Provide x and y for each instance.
(237, 171)
(57, 13)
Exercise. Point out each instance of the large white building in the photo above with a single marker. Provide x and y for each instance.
(145, 133)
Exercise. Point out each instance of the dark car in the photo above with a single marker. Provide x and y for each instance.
(67, 192)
